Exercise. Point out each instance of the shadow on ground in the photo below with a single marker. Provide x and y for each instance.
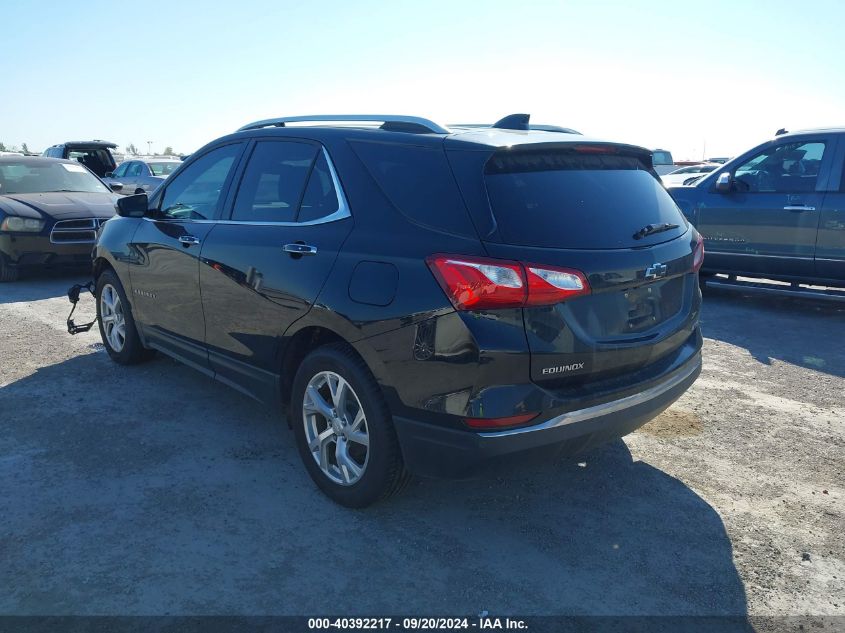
(151, 490)
(36, 285)
(798, 331)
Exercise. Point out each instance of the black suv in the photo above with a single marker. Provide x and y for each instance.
(422, 299)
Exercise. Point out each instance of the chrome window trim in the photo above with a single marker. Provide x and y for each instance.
(614, 406)
(342, 212)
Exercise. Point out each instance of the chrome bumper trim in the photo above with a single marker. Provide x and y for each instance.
(580, 415)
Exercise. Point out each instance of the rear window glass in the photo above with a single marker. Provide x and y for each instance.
(419, 183)
(563, 200)
(662, 158)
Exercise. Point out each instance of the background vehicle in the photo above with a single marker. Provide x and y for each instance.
(140, 175)
(777, 211)
(50, 211)
(404, 340)
(95, 155)
(684, 174)
(663, 161)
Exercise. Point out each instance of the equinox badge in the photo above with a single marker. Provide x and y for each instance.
(656, 271)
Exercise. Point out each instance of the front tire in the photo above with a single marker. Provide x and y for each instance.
(8, 272)
(117, 326)
(344, 430)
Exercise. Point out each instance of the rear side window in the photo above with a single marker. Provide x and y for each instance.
(566, 200)
(274, 181)
(419, 183)
(320, 199)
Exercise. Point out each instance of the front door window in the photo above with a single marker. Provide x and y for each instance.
(786, 168)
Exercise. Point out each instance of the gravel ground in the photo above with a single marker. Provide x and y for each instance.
(152, 490)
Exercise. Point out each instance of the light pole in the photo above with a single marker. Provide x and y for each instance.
(149, 148)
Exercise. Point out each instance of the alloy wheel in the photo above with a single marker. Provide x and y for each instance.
(112, 318)
(336, 428)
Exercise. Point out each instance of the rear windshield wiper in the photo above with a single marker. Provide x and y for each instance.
(651, 229)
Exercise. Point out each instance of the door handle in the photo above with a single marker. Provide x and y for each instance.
(798, 207)
(300, 249)
(188, 240)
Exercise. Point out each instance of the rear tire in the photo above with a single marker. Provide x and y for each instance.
(7, 272)
(344, 430)
(117, 326)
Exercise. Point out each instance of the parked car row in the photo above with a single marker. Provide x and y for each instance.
(687, 175)
(502, 288)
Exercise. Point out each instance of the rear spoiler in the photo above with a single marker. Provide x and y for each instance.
(547, 156)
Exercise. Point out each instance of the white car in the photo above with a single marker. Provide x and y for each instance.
(678, 176)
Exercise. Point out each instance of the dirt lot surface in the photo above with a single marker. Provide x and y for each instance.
(152, 490)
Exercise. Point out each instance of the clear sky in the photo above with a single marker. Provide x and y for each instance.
(670, 74)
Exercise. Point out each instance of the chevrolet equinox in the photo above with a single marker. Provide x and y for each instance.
(422, 299)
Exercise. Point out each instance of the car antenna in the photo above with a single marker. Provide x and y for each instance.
(513, 122)
(781, 131)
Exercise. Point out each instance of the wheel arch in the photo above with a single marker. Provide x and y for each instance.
(101, 264)
(310, 337)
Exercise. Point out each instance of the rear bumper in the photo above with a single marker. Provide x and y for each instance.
(435, 451)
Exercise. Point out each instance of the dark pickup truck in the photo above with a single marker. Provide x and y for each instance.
(775, 212)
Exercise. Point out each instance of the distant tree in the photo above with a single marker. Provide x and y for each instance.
(25, 148)
(2, 147)
(131, 149)
(168, 151)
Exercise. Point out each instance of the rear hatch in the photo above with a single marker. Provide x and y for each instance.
(95, 155)
(588, 207)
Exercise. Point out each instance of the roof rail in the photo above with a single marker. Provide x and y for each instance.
(415, 121)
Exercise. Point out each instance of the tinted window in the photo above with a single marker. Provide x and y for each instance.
(419, 183)
(570, 201)
(95, 160)
(162, 169)
(121, 170)
(47, 176)
(195, 193)
(785, 168)
(320, 197)
(134, 169)
(273, 182)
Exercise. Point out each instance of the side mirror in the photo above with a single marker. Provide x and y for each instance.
(109, 174)
(115, 186)
(724, 183)
(133, 206)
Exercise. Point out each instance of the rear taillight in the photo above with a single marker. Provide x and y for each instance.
(553, 285)
(496, 424)
(478, 283)
(698, 254)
